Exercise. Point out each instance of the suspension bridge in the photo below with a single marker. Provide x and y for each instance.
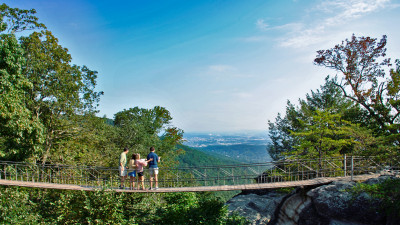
(268, 175)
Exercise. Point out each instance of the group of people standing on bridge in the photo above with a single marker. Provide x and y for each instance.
(134, 168)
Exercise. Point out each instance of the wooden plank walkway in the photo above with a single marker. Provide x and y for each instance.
(316, 181)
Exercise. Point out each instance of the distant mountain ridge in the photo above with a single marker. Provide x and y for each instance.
(206, 139)
(248, 147)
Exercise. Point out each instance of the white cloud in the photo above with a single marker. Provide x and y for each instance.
(350, 9)
(221, 68)
(290, 26)
(261, 25)
(337, 13)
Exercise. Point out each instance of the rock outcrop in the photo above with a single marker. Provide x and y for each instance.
(329, 204)
(257, 206)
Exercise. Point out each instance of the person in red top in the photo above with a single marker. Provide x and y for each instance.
(140, 163)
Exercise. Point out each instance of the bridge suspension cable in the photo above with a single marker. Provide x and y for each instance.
(289, 172)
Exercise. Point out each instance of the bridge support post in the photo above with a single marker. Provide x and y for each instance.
(344, 165)
(352, 167)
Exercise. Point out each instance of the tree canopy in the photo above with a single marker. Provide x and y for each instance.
(357, 112)
(365, 79)
(44, 93)
(316, 122)
(48, 105)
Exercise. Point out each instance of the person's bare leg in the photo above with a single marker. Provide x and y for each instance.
(156, 179)
(123, 181)
(132, 183)
(151, 181)
(142, 181)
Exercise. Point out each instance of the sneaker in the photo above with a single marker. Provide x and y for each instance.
(151, 189)
(156, 188)
(121, 187)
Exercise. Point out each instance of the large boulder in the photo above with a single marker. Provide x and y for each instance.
(330, 204)
(257, 207)
(334, 203)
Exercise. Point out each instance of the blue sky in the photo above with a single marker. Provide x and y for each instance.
(215, 65)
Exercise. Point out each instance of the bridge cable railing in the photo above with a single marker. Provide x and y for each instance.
(212, 175)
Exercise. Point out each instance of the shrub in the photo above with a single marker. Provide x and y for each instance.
(388, 192)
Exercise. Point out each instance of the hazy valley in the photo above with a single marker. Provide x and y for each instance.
(245, 147)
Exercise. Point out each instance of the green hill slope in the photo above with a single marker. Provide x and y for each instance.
(194, 157)
(244, 153)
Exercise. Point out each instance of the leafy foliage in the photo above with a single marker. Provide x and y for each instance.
(60, 90)
(20, 130)
(357, 114)
(188, 208)
(43, 92)
(325, 123)
(362, 62)
(324, 134)
(138, 129)
(90, 146)
(17, 20)
(388, 192)
(16, 207)
(34, 206)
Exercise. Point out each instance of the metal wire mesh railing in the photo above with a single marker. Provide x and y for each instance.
(239, 174)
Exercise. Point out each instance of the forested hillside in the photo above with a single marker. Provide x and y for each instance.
(242, 153)
(194, 157)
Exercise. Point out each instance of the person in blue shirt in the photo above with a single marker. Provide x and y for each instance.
(153, 167)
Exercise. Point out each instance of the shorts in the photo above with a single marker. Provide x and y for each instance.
(132, 174)
(140, 174)
(153, 171)
(122, 173)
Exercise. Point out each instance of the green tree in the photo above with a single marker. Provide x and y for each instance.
(282, 140)
(50, 94)
(16, 207)
(362, 62)
(393, 89)
(92, 145)
(324, 134)
(138, 129)
(60, 91)
(191, 208)
(327, 99)
(20, 132)
(16, 20)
